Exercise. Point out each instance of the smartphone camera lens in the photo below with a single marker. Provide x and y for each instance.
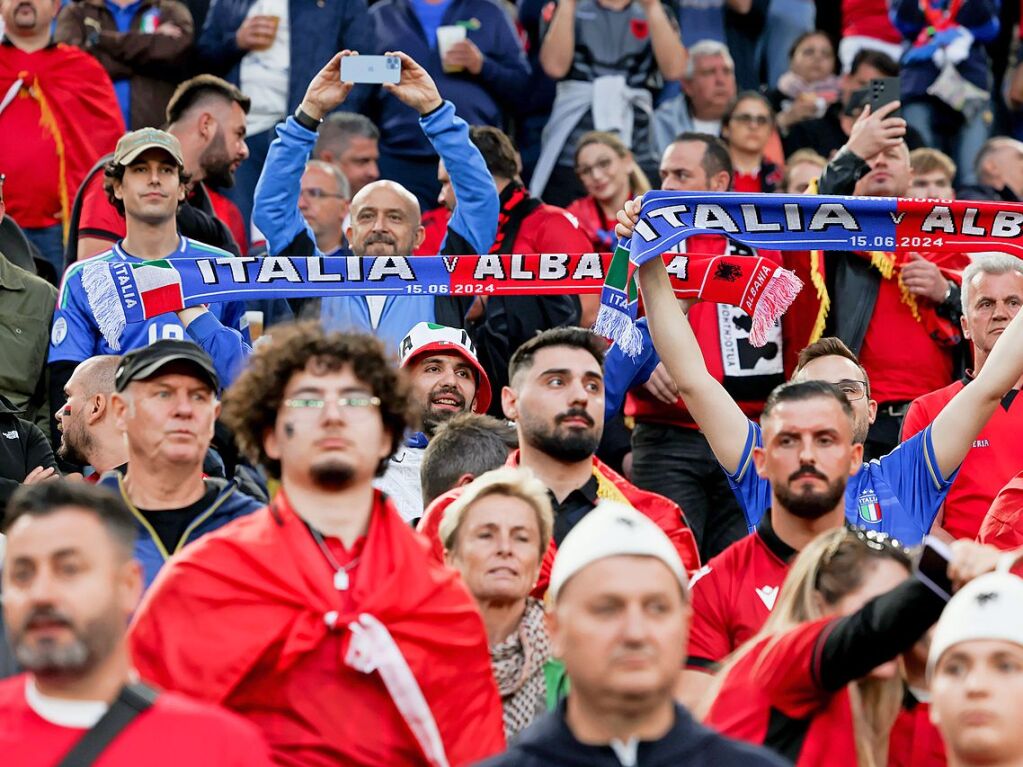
(392, 63)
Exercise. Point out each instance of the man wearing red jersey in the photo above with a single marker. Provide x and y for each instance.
(992, 294)
(808, 456)
(288, 615)
(69, 585)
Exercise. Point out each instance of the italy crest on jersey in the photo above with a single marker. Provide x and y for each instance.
(870, 509)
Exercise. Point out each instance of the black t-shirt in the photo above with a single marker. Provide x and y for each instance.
(170, 524)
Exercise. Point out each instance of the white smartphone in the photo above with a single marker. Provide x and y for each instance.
(371, 69)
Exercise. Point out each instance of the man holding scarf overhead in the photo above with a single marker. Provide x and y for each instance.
(60, 104)
(322, 618)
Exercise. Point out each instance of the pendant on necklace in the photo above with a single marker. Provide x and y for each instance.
(341, 580)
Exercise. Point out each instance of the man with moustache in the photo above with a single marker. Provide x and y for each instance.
(898, 494)
(808, 454)
(316, 594)
(445, 379)
(59, 103)
(207, 116)
(89, 435)
(146, 180)
(384, 215)
(556, 398)
(70, 585)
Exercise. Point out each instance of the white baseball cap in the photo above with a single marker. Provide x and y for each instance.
(425, 337)
(988, 607)
(612, 530)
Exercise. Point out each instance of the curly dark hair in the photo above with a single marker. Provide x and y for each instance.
(252, 402)
(113, 171)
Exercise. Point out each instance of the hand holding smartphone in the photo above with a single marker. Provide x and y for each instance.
(884, 90)
(375, 70)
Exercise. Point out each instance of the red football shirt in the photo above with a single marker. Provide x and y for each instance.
(35, 732)
(900, 357)
(734, 593)
(771, 697)
(994, 458)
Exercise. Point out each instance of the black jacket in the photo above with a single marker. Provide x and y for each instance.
(825, 135)
(852, 282)
(549, 743)
(23, 447)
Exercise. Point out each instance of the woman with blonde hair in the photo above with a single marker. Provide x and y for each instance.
(820, 682)
(611, 176)
(495, 534)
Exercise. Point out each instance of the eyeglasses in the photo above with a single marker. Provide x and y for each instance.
(309, 405)
(853, 390)
(747, 119)
(318, 194)
(602, 165)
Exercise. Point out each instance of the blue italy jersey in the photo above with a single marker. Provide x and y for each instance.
(75, 335)
(898, 494)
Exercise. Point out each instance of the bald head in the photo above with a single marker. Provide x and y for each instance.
(385, 221)
(88, 436)
(96, 375)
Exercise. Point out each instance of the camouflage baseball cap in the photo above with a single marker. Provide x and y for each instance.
(136, 142)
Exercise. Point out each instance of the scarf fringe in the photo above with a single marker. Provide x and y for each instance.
(779, 293)
(104, 301)
(620, 327)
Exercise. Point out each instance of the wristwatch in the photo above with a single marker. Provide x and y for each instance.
(307, 121)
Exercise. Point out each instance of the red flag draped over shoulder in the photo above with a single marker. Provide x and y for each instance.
(261, 582)
(77, 108)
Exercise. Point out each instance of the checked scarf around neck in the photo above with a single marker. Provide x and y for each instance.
(794, 222)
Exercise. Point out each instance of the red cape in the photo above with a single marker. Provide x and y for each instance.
(661, 510)
(214, 611)
(77, 108)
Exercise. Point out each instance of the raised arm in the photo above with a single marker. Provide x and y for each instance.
(558, 46)
(669, 52)
(715, 412)
(958, 424)
(475, 215)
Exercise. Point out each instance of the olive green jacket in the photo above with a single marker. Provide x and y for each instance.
(26, 311)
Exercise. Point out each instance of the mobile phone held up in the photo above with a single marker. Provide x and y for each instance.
(884, 90)
(374, 70)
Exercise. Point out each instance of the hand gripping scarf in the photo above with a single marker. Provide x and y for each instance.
(794, 222)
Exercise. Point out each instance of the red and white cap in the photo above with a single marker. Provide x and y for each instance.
(429, 337)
